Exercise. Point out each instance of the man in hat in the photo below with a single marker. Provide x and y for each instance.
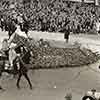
(67, 33)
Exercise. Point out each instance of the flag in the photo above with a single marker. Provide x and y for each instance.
(20, 40)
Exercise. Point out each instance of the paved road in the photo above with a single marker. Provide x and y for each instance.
(54, 84)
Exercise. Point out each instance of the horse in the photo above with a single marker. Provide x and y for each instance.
(20, 65)
(23, 60)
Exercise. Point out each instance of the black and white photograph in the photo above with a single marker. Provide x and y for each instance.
(49, 49)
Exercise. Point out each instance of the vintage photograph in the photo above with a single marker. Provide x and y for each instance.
(49, 49)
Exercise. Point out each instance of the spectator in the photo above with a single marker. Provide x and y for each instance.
(54, 15)
(67, 33)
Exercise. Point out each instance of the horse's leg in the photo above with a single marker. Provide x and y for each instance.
(2, 28)
(19, 77)
(1, 88)
(15, 70)
(27, 78)
(9, 33)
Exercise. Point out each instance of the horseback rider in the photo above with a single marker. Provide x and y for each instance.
(9, 52)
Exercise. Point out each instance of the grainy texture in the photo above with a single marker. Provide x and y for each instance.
(64, 57)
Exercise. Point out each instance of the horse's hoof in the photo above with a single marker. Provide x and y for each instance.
(2, 89)
(99, 66)
(18, 87)
(31, 87)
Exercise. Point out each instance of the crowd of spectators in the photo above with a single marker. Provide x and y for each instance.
(55, 15)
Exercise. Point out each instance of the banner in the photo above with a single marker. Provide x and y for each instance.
(19, 40)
